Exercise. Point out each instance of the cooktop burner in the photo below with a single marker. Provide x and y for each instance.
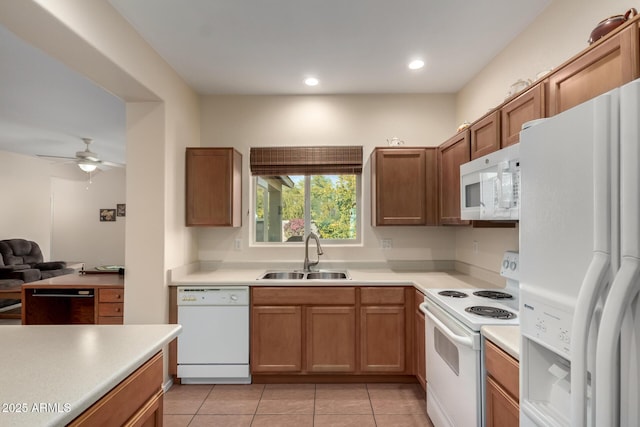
(493, 312)
(453, 294)
(493, 294)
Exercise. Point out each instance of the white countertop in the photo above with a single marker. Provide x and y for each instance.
(370, 277)
(508, 339)
(69, 367)
(505, 337)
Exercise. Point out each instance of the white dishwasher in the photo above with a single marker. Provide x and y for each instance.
(213, 347)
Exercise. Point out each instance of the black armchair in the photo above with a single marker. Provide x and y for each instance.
(22, 259)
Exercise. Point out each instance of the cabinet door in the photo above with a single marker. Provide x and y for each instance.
(503, 368)
(213, 187)
(485, 135)
(382, 339)
(330, 339)
(276, 339)
(502, 409)
(526, 107)
(419, 340)
(609, 64)
(451, 155)
(403, 186)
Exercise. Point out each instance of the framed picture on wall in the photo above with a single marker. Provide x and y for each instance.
(121, 209)
(107, 214)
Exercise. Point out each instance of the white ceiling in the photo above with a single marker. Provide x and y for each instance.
(258, 47)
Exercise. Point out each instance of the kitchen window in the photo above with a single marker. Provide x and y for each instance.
(298, 190)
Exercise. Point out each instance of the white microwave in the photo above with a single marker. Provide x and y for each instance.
(490, 186)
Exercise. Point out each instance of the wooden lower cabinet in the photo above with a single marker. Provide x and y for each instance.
(331, 339)
(502, 388)
(420, 363)
(384, 344)
(331, 330)
(382, 339)
(502, 409)
(276, 339)
(136, 401)
(110, 306)
(104, 304)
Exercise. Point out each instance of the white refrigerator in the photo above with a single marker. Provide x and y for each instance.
(580, 265)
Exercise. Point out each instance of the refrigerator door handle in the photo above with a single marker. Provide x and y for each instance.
(592, 286)
(624, 289)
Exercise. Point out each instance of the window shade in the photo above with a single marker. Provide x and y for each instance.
(324, 160)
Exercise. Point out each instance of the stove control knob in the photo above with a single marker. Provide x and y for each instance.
(513, 265)
(505, 263)
(234, 298)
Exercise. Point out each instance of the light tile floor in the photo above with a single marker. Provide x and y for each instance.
(299, 405)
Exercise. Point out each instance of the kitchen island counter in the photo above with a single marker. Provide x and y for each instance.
(52, 374)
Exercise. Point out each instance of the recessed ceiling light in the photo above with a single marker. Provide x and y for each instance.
(416, 64)
(311, 81)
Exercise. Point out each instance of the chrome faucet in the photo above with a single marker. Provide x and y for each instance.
(308, 264)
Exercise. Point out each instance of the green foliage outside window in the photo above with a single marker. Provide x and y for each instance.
(333, 207)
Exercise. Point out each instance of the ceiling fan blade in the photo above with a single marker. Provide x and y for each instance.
(87, 155)
(112, 164)
(55, 157)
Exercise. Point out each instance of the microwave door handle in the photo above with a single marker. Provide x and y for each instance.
(462, 340)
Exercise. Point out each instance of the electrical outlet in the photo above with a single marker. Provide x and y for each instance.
(386, 243)
(474, 246)
(237, 244)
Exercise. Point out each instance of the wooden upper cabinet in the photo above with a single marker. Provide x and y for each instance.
(214, 187)
(526, 107)
(610, 63)
(485, 135)
(451, 155)
(404, 186)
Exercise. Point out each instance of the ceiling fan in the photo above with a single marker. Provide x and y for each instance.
(86, 160)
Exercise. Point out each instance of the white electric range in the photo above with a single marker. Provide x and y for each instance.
(454, 351)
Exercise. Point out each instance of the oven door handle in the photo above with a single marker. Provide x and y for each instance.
(466, 341)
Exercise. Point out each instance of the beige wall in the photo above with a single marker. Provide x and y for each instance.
(367, 120)
(76, 229)
(26, 200)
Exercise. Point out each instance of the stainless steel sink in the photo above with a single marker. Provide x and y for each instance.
(301, 275)
(327, 275)
(282, 275)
